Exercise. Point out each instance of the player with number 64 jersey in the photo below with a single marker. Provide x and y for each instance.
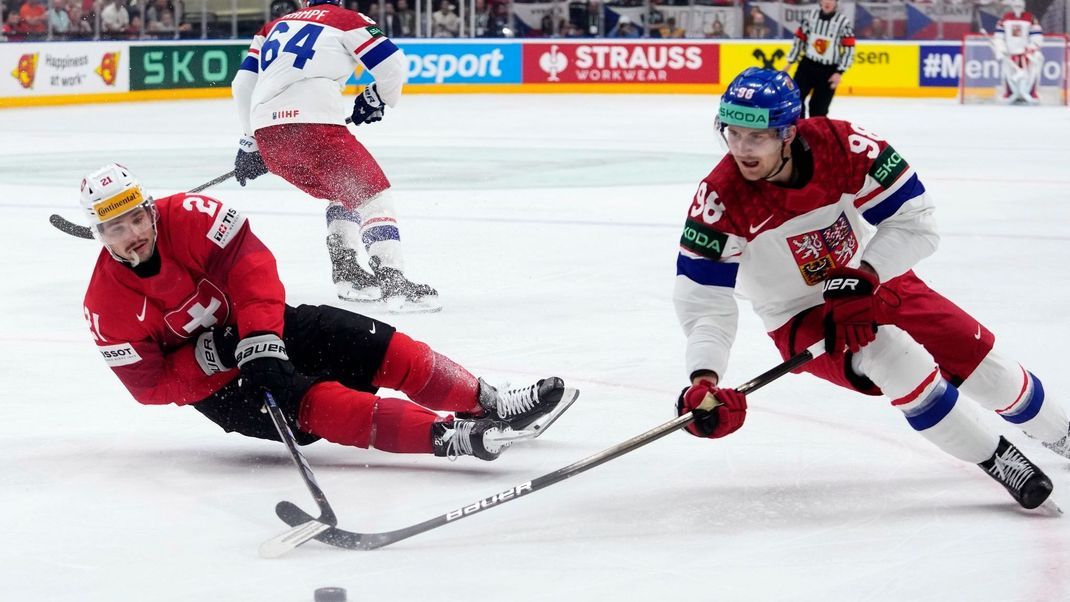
(293, 117)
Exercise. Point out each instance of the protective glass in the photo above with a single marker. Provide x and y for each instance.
(119, 233)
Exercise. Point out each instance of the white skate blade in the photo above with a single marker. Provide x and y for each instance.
(401, 305)
(347, 292)
(568, 397)
(1050, 507)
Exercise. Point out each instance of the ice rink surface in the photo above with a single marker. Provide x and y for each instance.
(550, 226)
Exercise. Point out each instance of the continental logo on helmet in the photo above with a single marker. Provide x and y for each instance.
(750, 117)
(118, 204)
(26, 70)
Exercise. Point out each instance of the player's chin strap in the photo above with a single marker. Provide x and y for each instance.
(783, 161)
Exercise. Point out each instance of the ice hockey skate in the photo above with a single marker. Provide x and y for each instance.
(1026, 483)
(354, 283)
(484, 438)
(531, 408)
(401, 295)
(1061, 447)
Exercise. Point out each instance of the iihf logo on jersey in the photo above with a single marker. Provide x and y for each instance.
(553, 62)
(287, 114)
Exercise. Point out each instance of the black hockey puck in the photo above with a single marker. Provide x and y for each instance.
(331, 594)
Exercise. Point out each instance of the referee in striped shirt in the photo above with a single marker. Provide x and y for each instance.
(825, 41)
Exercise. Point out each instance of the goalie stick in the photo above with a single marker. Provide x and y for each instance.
(331, 535)
(308, 528)
(68, 227)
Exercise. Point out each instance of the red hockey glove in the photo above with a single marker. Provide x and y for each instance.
(851, 306)
(717, 412)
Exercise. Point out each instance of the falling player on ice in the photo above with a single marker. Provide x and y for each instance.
(186, 307)
(786, 216)
(288, 92)
(1017, 42)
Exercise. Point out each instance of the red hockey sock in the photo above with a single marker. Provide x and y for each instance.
(343, 415)
(427, 377)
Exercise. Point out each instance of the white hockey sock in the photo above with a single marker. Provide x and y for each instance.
(344, 223)
(1017, 396)
(379, 230)
(908, 375)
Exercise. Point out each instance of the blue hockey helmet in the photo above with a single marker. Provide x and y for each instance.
(317, 2)
(760, 98)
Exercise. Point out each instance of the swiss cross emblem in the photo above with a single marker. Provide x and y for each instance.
(819, 251)
(206, 308)
(821, 45)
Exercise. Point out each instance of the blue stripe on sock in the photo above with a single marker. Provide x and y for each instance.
(1031, 407)
(379, 234)
(938, 405)
(337, 212)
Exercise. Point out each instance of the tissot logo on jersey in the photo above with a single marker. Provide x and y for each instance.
(819, 251)
(226, 226)
(122, 354)
(887, 167)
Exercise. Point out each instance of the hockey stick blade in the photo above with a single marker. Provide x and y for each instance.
(288, 540)
(68, 227)
(340, 538)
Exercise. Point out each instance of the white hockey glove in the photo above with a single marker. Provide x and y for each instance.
(368, 107)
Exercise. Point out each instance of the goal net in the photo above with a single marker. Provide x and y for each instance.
(979, 71)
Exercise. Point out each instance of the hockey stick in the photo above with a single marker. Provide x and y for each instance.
(301, 533)
(68, 227)
(305, 530)
(349, 540)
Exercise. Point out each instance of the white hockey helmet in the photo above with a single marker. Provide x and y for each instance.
(1017, 7)
(109, 193)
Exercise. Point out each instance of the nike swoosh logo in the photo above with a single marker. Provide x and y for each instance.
(141, 316)
(754, 229)
(373, 328)
(978, 335)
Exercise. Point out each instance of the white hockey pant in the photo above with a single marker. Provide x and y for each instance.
(373, 225)
(909, 376)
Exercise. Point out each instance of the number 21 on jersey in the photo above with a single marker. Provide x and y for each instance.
(299, 44)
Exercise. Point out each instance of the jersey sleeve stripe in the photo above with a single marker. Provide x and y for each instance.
(378, 53)
(250, 64)
(911, 189)
(707, 272)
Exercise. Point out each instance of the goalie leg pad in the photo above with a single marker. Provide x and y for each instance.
(428, 377)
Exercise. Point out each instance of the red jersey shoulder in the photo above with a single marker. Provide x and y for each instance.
(194, 216)
(721, 198)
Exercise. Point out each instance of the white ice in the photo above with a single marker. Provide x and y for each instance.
(550, 226)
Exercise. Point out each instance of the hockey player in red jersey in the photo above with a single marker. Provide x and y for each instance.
(288, 93)
(1017, 41)
(186, 307)
(820, 223)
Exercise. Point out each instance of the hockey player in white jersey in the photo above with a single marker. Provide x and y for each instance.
(293, 117)
(1017, 41)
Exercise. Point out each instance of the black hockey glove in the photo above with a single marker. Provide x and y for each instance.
(368, 106)
(248, 165)
(265, 368)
